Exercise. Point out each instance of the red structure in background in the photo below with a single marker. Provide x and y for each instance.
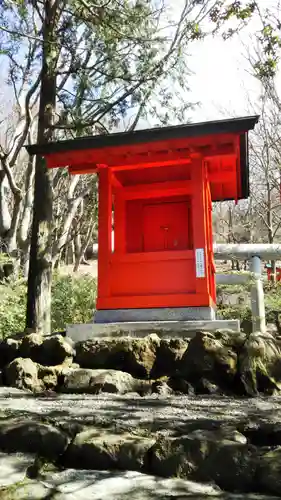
(160, 184)
(269, 271)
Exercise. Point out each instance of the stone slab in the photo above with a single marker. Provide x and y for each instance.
(164, 329)
(155, 314)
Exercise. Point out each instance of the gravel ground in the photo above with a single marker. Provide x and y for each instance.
(122, 412)
(152, 412)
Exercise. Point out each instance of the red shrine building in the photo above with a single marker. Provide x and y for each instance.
(158, 185)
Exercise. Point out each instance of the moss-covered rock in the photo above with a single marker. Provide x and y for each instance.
(48, 351)
(269, 471)
(95, 381)
(168, 357)
(187, 456)
(23, 374)
(9, 350)
(96, 449)
(260, 364)
(32, 436)
(207, 357)
(131, 355)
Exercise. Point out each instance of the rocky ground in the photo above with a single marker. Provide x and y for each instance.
(73, 484)
(71, 436)
(138, 413)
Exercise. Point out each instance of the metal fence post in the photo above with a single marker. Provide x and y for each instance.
(257, 296)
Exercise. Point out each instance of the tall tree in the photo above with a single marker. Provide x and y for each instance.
(38, 315)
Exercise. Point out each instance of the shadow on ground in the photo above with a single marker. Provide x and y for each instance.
(169, 414)
(99, 485)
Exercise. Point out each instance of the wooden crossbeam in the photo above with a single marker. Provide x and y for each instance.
(155, 190)
(90, 160)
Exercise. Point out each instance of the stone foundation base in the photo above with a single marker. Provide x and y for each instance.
(164, 329)
(157, 314)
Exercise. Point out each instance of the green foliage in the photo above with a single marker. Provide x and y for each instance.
(238, 311)
(268, 35)
(12, 307)
(224, 11)
(272, 293)
(73, 301)
(231, 289)
(272, 296)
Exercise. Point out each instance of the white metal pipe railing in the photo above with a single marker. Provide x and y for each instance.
(254, 253)
(244, 251)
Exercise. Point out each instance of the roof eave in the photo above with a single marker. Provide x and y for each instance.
(236, 125)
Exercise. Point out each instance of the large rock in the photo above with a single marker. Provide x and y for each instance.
(31, 436)
(97, 449)
(49, 351)
(269, 471)
(168, 357)
(84, 380)
(186, 455)
(260, 364)
(9, 350)
(134, 356)
(232, 466)
(207, 357)
(31, 345)
(230, 339)
(23, 374)
(261, 433)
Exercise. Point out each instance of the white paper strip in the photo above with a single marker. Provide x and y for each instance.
(200, 263)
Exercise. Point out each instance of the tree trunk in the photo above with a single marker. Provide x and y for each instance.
(77, 246)
(5, 217)
(69, 254)
(38, 314)
(79, 256)
(24, 228)
(58, 245)
(11, 236)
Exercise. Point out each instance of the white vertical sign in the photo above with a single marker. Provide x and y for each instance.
(200, 262)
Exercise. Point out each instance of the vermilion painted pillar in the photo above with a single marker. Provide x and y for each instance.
(104, 232)
(199, 226)
(209, 220)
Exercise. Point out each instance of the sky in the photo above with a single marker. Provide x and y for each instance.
(221, 81)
